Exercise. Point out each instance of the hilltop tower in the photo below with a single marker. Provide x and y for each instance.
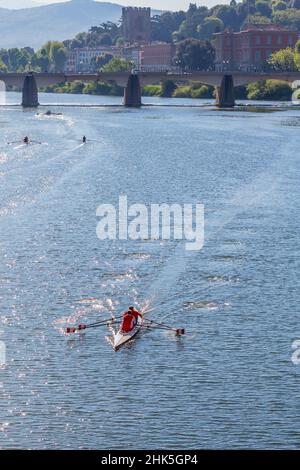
(136, 24)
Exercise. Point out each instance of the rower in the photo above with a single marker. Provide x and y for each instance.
(135, 312)
(84, 139)
(129, 320)
(26, 140)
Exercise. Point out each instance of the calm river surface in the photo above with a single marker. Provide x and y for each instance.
(230, 382)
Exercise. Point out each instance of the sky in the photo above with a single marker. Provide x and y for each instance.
(159, 4)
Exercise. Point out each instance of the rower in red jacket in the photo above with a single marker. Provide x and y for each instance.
(129, 320)
(135, 312)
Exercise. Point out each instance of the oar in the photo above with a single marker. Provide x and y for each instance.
(21, 141)
(150, 309)
(83, 326)
(163, 326)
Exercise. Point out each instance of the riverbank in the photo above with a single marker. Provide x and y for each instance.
(267, 90)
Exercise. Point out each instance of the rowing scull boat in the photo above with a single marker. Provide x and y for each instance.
(120, 338)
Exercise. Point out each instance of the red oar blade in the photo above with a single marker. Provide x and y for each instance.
(74, 329)
(71, 330)
(180, 331)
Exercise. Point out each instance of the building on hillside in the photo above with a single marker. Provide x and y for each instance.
(136, 24)
(81, 59)
(249, 49)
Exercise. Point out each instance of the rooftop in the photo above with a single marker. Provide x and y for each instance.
(259, 27)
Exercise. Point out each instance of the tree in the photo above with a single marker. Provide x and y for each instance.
(103, 88)
(269, 90)
(105, 40)
(76, 87)
(263, 8)
(211, 25)
(13, 58)
(17, 60)
(279, 5)
(41, 60)
(25, 58)
(297, 54)
(228, 15)
(52, 54)
(167, 88)
(187, 29)
(191, 10)
(119, 41)
(202, 91)
(185, 25)
(193, 54)
(100, 61)
(57, 55)
(160, 29)
(75, 44)
(177, 36)
(80, 40)
(289, 17)
(116, 64)
(256, 19)
(283, 60)
(108, 27)
(3, 67)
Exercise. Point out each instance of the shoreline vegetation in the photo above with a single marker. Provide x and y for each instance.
(272, 90)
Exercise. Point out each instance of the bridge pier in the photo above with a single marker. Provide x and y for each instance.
(30, 93)
(225, 93)
(132, 92)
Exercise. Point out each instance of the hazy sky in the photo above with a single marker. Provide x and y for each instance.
(159, 4)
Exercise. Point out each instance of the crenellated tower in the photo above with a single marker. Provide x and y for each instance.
(136, 24)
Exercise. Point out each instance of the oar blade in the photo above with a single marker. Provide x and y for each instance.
(180, 331)
(71, 329)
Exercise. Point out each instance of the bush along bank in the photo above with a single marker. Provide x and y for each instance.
(272, 90)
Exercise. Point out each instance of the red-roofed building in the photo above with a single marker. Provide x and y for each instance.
(249, 49)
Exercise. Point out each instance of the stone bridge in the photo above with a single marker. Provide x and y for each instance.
(224, 82)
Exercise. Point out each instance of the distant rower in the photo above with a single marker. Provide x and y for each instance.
(26, 140)
(84, 139)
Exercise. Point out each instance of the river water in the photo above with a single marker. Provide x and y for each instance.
(230, 382)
